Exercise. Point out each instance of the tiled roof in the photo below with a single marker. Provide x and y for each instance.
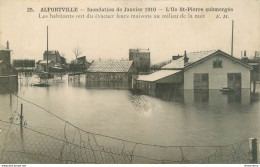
(177, 64)
(110, 66)
(193, 57)
(157, 75)
(196, 56)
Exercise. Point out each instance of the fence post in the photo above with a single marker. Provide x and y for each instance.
(21, 116)
(11, 101)
(253, 151)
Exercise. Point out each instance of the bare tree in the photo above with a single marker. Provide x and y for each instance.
(77, 52)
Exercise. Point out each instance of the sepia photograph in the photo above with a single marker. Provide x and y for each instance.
(129, 82)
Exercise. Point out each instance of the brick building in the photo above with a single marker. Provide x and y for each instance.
(141, 59)
(5, 53)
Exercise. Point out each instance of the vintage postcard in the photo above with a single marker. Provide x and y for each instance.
(129, 82)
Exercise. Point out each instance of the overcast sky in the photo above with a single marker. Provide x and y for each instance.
(100, 38)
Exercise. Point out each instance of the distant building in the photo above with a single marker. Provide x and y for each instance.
(141, 59)
(55, 62)
(176, 57)
(41, 65)
(6, 69)
(24, 65)
(5, 53)
(113, 74)
(62, 60)
(79, 65)
(82, 63)
(54, 55)
(255, 64)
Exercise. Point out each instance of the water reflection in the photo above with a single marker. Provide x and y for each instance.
(212, 97)
(6, 89)
(170, 93)
(201, 96)
(107, 85)
(215, 97)
(141, 103)
(167, 117)
(80, 81)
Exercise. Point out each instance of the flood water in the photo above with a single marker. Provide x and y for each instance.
(182, 119)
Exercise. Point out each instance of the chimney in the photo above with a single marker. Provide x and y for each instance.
(245, 59)
(7, 45)
(186, 59)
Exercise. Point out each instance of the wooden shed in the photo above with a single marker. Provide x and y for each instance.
(110, 74)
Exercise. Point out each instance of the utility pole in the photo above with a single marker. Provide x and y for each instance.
(47, 52)
(232, 42)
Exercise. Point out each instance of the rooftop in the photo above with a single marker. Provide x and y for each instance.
(43, 62)
(110, 66)
(52, 52)
(193, 57)
(139, 50)
(157, 75)
(2, 47)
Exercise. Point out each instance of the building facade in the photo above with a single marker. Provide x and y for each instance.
(5, 53)
(24, 65)
(110, 74)
(216, 71)
(53, 55)
(8, 77)
(141, 59)
(41, 65)
(160, 80)
(205, 70)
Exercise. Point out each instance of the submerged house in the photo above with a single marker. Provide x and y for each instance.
(5, 53)
(8, 77)
(163, 79)
(110, 74)
(56, 62)
(203, 70)
(24, 65)
(8, 74)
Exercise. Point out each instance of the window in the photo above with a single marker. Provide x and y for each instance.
(217, 64)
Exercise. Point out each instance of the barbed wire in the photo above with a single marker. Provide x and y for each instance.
(76, 145)
(71, 151)
(67, 122)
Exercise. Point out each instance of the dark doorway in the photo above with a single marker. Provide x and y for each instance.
(234, 80)
(201, 81)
